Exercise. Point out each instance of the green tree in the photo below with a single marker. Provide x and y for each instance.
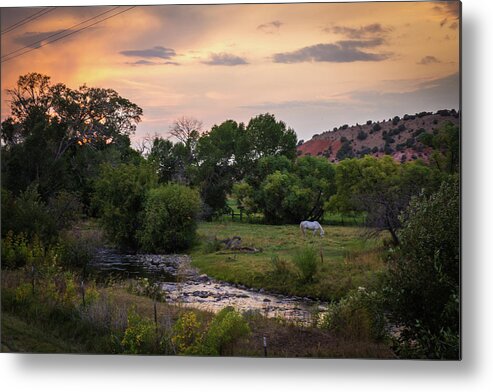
(169, 219)
(271, 137)
(380, 187)
(120, 194)
(423, 285)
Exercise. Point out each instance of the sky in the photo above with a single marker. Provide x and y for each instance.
(315, 66)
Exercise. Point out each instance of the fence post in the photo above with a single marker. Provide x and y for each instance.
(33, 271)
(83, 293)
(265, 346)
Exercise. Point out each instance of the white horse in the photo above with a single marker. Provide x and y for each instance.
(314, 226)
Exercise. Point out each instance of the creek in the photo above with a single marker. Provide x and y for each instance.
(182, 284)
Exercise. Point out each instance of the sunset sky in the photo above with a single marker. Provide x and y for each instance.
(315, 66)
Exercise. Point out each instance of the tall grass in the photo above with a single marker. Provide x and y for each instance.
(305, 260)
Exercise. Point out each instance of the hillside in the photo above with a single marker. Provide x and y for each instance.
(398, 137)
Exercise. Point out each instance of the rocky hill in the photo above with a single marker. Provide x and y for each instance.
(398, 137)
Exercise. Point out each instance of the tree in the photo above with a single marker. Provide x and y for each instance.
(120, 194)
(423, 284)
(223, 156)
(187, 130)
(288, 192)
(169, 219)
(271, 137)
(380, 187)
(51, 124)
(163, 156)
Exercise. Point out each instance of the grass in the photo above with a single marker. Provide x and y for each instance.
(21, 337)
(21, 332)
(350, 259)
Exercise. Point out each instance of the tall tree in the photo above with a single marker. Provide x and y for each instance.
(271, 137)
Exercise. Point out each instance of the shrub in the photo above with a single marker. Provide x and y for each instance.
(423, 285)
(376, 127)
(369, 122)
(169, 221)
(226, 329)
(305, 260)
(187, 334)
(362, 135)
(357, 317)
(396, 120)
(28, 214)
(140, 335)
(120, 194)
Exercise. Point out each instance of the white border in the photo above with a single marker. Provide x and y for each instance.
(107, 373)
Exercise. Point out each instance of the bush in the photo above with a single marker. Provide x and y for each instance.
(169, 222)
(28, 214)
(18, 251)
(226, 329)
(305, 260)
(362, 135)
(140, 335)
(423, 285)
(376, 128)
(120, 194)
(357, 317)
(187, 334)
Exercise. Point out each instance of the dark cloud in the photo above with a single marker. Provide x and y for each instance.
(449, 8)
(375, 29)
(271, 27)
(225, 59)
(339, 52)
(453, 26)
(429, 60)
(34, 39)
(155, 52)
(147, 62)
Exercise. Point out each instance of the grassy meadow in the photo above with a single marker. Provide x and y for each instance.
(347, 258)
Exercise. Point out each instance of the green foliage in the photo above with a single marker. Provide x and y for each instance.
(18, 251)
(187, 334)
(224, 331)
(286, 192)
(396, 120)
(345, 151)
(169, 219)
(140, 335)
(271, 137)
(362, 135)
(380, 187)
(120, 194)
(423, 287)
(305, 259)
(358, 316)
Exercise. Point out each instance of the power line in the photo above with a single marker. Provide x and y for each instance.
(60, 32)
(68, 34)
(22, 22)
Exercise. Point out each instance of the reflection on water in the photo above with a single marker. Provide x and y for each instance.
(183, 285)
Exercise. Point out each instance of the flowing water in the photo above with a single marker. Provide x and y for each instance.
(183, 285)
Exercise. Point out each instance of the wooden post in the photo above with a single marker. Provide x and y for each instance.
(265, 346)
(33, 271)
(83, 293)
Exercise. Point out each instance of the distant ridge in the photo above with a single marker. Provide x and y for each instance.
(398, 137)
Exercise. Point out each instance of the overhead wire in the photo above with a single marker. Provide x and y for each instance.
(28, 19)
(66, 35)
(59, 32)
